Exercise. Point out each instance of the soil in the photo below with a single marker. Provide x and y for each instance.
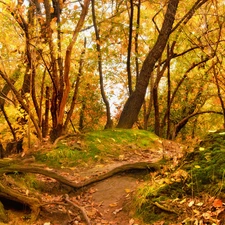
(106, 202)
(111, 199)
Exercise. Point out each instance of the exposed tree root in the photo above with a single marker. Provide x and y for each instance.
(81, 209)
(32, 202)
(34, 168)
(11, 166)
(164, 208)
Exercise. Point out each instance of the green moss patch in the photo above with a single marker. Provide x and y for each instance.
(98, 146)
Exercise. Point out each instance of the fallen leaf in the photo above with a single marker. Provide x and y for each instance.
(121, 157)
(196, 212)
(207, 215)
(113, 204)
(92, 190)
(217, 203)
(128, 190)
(191, 203)
(47, 223)
(200, 204)
(183, 201)
(117, 210)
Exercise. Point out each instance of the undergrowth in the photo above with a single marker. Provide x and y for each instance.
(196, 180)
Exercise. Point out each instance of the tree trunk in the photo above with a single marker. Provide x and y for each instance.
(45, 121)
(133, 105)
(129, 48)
(109, 122)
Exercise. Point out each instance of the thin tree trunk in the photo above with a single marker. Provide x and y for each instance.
(150, 103)
(8, 122)
(173, 95)
(156, 107)
(60, 98)
(129, 48)
(81, 119)
(23, 104)
(68, 61)
(136, 39)
(168, 92)
(108, 114)
(219, 93)
(45, 122)
(80, 73)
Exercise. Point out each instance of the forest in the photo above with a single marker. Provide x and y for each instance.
(76, 70)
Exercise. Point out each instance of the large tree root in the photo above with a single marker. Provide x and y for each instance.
(34, 168)
(10, 166)
(33, 203)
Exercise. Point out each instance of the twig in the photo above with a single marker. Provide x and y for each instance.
(79, 208)
(164, 208)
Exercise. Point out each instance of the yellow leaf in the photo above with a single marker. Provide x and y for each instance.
(196, 211)
(113, 204)
(200, 204)
(201, 149)
(121, 157)
(127, 190)
(183, 201)
(53, 24)
(191, 203)
(197, 166)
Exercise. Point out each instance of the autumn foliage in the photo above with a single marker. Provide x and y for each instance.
(78, 66)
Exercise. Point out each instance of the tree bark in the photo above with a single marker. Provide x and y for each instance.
(215, 73)
(133, 105)
(109, 122)
(129, 48)
(76, 88)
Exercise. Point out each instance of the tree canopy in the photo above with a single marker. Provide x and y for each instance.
(71, 66)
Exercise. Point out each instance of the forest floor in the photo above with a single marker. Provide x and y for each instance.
(107, 201)
(118, 177)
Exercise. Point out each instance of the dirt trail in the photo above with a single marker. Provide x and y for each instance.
(111, 200)
(106, 200)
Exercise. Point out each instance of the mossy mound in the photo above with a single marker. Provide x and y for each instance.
(207, 163)
(97, 146)
(200, 174)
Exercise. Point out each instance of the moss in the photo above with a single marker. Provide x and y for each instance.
(96, 146)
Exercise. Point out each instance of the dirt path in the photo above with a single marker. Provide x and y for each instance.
(106, 199)
(111, 200)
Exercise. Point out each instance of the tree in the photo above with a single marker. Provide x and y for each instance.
(109, 122)
(133, 105)
(44, 49)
